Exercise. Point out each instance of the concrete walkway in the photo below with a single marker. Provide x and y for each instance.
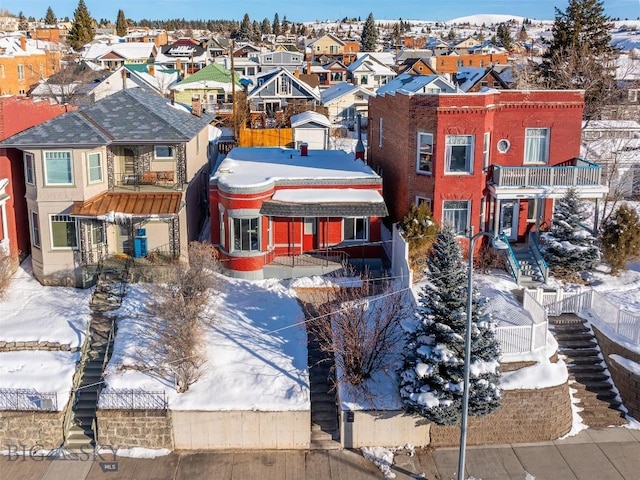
(594, 454)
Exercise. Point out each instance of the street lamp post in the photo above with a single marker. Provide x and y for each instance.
(467, 344)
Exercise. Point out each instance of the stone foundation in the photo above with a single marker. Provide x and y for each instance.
(627, 383)
(46, 346)
(135, 428)
(30, 430)
(525, 416)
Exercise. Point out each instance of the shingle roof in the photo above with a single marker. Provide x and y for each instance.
(355, 209)
(131, 115)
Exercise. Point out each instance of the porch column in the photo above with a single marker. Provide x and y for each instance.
(174, 236)
(596, 216)
(496, 217)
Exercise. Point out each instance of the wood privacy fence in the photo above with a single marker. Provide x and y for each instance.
(265, 137)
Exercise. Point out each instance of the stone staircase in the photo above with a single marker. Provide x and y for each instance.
(588, 371)
(530, 274)
(80, 431)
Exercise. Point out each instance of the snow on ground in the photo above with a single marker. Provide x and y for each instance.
(39, 370)
(256, 351)
(33, 312)
(382, 458)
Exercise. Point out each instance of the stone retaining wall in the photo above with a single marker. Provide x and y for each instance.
(627, 383)
(135, 428)
(47, 346)
(31, 429)
(525, 416)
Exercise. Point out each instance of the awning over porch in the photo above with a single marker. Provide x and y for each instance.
(329, 202)
(152, 204)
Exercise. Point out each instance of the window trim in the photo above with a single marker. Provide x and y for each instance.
(53, 247)
(468, 219)
(89, 168)
(486, 150)
(469, 159)
(29, 166)
(45, 169)
(21, 76)
(366, 230)
(419, 153)
(526, 143)
(158, 158)
(36, 238)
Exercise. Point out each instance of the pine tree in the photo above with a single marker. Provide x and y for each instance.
(569, 247)
(432, 375)
(621, 238)
(522, 34)
(580, 54)
(369, 37)
(121, 24)
(503, 35)
(22, 21)
(265, 28)
(246, 31)
(50, 17)
(82, 31)
(275, 27)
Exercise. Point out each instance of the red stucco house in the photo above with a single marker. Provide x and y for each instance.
(281, 213)
(492, 160)
(17, 114)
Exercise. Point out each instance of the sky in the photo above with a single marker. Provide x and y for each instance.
(301, 10)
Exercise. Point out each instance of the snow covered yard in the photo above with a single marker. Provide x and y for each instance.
(256, 353)
(41, 317)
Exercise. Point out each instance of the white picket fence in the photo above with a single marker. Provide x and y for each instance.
(516, 339)
(623, 322)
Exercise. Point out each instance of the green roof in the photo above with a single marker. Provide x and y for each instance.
(143, 68)
(214, 73)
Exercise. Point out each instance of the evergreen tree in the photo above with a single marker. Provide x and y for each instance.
(522, 34)
(569, 247)
(50, 17)
(580, 54)
(452, 34)
(265, 28)
(82, 31)
(275, 27)
(121, 24)
(621, 238)
(432, 375)
(22, 21)
(286, 24)
(504, 36)
(246, 31)
(369, 37)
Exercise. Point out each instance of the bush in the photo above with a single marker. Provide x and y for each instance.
(621, 238)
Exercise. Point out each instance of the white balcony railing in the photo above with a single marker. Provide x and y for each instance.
(582, 174)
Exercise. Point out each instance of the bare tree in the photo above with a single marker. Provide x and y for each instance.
(358, 323)
(5, 273)
(181, 305)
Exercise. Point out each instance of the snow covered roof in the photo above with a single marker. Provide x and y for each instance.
(256, 168)
(132, 50)
(308, 117)
(610, 125)
(467, 77)
(340, 89)
(411, 84)
(370, 63)
(11, 47)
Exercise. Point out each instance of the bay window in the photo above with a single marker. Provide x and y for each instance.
(246, 234)
(459, 153)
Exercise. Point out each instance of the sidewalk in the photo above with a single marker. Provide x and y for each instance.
(597, 454)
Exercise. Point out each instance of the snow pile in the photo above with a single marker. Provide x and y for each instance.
(382, 458)
(139, 452)
(543, 374)
(629, 365)
(34, 313)
(325, 282)
(255, 348)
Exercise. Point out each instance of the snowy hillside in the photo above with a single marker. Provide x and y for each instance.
(486, 19)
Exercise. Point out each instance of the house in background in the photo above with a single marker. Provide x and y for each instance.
(281, 213)
(23, 63)
(126, 175)
(311, 128)
(18, 114)
(289, 60)
(475, 79)
(369, 72)
(492, 161)
(114, 56)
(152, 77)
(183, 55)
(328, 46)
(344, 101)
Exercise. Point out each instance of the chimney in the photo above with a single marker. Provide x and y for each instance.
(196, 105)
(179, 65)
(152, 70)
(304, 149)
(124, 78)
(23, 43)
(359, 144)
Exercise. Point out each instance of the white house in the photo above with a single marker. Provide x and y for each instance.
(344, 101)
(311, 128)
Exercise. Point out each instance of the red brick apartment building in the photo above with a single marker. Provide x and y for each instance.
(494, 160)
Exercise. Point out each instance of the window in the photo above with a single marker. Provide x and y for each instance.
(246, 234)
(355, 228)
(63, 232)
(1, 71)
(223, 240)
(35, 230)
(29, 172)
(633, 94)
(58, 168)
(536, 145)
(455, 214)
(284, 86)
(97, 234)
(364, 79)
(422, 200)
(486, 146)
(309, 226)
(163, 152)
(94, 167)
(532, 209)
(380, 133)
(459, 153)
(20, 72)
(425, 153)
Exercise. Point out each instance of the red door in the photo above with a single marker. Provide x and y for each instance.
(309, 229)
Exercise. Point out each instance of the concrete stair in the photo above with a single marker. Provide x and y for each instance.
(587, 371)
(530, 274)
(107, 296)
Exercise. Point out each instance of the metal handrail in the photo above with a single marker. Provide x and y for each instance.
(512, 261)
(534, 248)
